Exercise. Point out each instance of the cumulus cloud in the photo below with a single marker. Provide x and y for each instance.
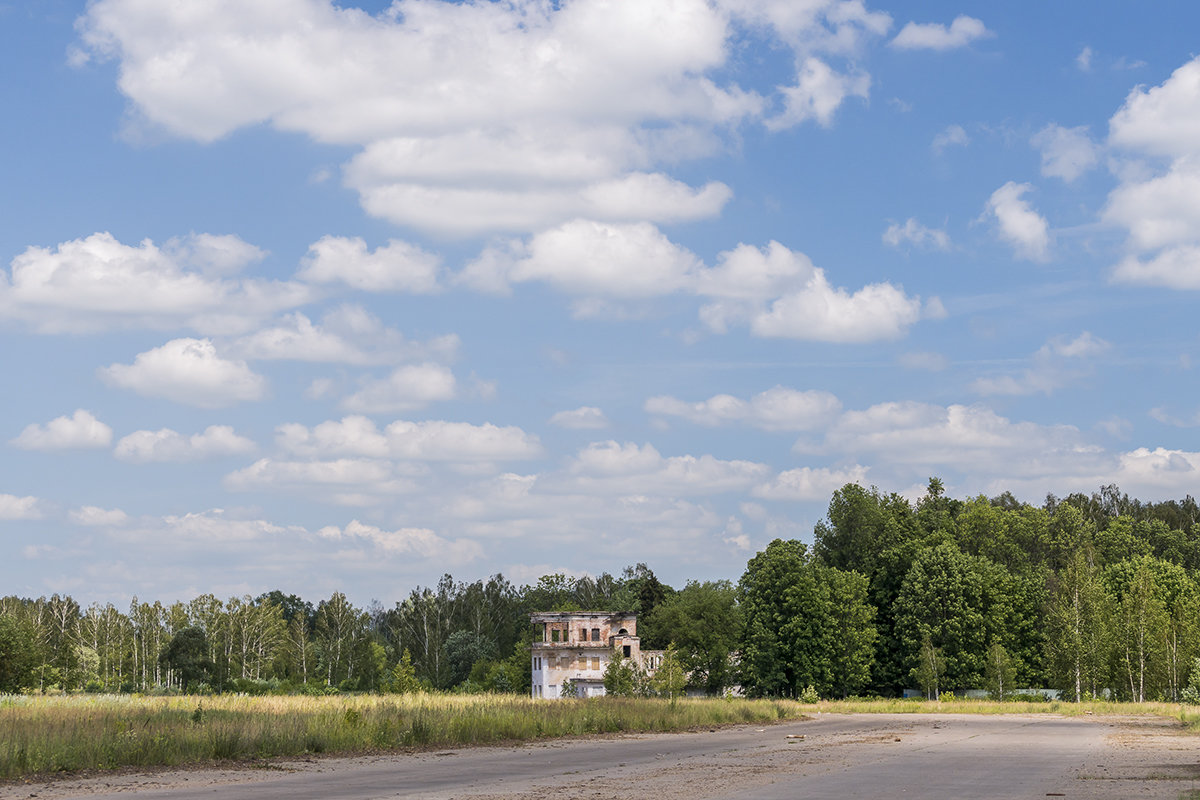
(914, 233)
(407, 388)
(474, 117)
(345, 481)
(95, 516)
(99, 283)
(78, 431)
(775, 291)
(935, 36)
(1067, 153)
(432, 440)
(1017, 222)
(188, 371)
(1084, 59)
(952, 136)
(582, 418)
(1158, 128)
(780, 293)
(347, 335)
(615, 468)
(777, 409)
(16, 508)
(818, 93)
(807, 483)
(167, 445)
(395, 267)
(1052, 367)
(420, 542)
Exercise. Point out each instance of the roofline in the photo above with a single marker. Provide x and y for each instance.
(535, 615)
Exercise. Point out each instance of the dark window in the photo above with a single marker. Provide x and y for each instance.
(583, 634)
(554, 635)
(595, 634)
(626, 649)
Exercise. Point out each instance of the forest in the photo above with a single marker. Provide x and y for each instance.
(1093, 595)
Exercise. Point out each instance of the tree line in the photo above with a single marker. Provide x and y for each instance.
(1090, 594)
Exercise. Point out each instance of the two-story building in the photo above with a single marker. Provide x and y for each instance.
(575, 648)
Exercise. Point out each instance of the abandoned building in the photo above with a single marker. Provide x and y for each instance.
(576, 646)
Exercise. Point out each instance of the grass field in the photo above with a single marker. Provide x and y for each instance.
(42, 735)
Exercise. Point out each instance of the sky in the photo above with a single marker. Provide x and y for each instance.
(341, 297)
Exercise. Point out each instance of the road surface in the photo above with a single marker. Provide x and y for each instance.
(932, 757)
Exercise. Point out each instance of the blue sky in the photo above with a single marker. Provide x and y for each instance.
(341, 297)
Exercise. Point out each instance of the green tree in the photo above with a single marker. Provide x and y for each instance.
(930, 668)
(669, 679)
(403, 677)
(463, 650)
(18, 657)
(1000, 673)
(1077, 624)
(704, 622)
(853, 639)
(941, 600)
(619, 680)
(187, 654)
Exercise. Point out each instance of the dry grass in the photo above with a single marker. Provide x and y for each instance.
(1189, 715)
(67, 733)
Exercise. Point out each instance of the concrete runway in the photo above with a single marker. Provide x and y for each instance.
(933, 757)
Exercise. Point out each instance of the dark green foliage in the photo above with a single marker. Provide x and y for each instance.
(18, 658)
(187, 655)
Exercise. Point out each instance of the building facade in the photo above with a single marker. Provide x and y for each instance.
(575, 648)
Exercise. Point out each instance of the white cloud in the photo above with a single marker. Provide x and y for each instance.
(779, 293)
(1019, 225)
(477, 117)
(952, 136)
(405, 389)
(1159, 206)
(592, 258)
(956, 436)
(777, 409)
(935, 36)
(1051, 369)
(78, 431)
(98, 283)
(1163, 120)
(395, 267)
(421, 542)
(17, 508)
(1084, 59)
(818, 93)
(913, 232)
(821, 312)
(614, 468)
(806, 483)
(1067, 153)
(188, 371)
(346, 335)
(167, 445)
(582, 418)
(432, 440)
(345, 481)
(94, 516)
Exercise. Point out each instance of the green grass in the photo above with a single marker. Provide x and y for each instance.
(41, 735)
(44, 735)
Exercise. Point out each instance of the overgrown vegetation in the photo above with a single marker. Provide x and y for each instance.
(1096, 596)
(55, 734)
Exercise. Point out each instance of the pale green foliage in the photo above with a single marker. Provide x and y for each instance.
(670, 679)
(931, 666)
(1000, 673)
(403, 677)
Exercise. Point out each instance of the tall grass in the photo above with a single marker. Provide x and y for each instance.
(68, 733)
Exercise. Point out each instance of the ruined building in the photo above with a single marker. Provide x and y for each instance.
(576, 646)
